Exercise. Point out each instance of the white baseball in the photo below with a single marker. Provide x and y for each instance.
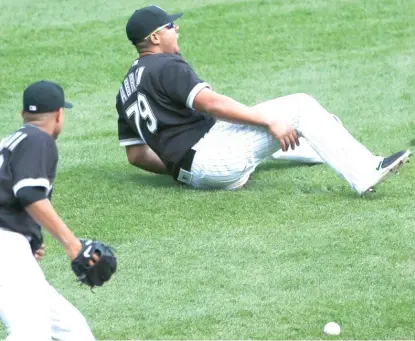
(332, 329)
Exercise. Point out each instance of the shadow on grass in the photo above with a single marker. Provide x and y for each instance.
(155, 180)
(114, 176)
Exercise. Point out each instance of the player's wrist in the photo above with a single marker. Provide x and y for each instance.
(257, 118)
(266, 121)
(73, 247)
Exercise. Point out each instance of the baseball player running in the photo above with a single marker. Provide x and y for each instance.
(30, 308)
(172, 122)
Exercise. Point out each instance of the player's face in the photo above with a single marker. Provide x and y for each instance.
(168, 38)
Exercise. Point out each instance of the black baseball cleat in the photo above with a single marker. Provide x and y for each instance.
(387, 165)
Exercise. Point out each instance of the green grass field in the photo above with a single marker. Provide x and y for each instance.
(276, 260)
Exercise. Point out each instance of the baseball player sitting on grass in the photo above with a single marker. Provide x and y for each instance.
(30, 307)
(172, 122)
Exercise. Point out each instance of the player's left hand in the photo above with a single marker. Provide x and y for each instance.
(40, 253)
(285, 134)
(95, 263)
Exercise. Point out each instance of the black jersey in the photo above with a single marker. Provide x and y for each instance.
(155, 107)
(28, 158)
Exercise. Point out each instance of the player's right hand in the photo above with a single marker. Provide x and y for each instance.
(40, 253)
(285, 134)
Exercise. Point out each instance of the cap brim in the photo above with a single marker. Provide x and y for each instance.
(68, 105)
(174, 17)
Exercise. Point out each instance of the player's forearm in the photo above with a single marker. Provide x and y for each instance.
(227, 109)
(45, 215)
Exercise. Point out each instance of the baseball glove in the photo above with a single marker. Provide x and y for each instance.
(101, 270)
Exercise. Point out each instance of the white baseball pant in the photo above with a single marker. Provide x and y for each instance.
(303, 153)
(229, 153)
(30, 307)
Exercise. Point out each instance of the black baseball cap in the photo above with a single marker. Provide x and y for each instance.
(146, 20)
(44, 96)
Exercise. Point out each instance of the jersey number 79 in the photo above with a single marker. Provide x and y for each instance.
(142, 111)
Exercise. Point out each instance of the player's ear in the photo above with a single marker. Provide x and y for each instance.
(22, 113)
(154, 38)
(59, 116)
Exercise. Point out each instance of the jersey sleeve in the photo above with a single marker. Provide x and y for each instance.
(33, 164)
(180, 82)
(126, 135)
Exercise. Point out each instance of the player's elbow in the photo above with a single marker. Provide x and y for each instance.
(143, 157)
(214, 106)
(136, 154)
(131, 159)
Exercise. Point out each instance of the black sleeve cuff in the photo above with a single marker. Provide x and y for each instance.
(29, 195)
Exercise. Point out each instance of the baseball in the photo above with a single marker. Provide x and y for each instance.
(332, 329)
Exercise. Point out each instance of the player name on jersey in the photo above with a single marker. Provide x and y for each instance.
(131, 83)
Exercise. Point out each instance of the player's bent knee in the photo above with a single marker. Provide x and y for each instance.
(307, 104)
(304, 98)
(301, 99)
